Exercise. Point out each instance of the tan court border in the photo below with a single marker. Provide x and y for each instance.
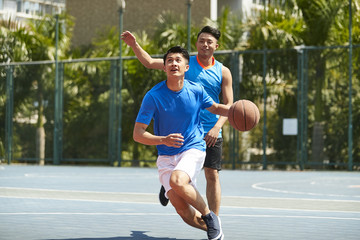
(149, 198)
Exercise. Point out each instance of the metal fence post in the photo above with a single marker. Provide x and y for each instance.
(305, 104)
(300, 77)
(265, 98)
(235, 70)
(56, 160)
(9, 113)
(301, 105)
(350, 130)
(112, 114)
(61, 110)
(189, 25)
(119, 132)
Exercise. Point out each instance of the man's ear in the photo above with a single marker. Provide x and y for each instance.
(187, 67)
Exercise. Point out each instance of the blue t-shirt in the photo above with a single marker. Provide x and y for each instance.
(176, 112)
(211, 79)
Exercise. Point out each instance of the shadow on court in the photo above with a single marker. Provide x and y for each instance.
(136, 235)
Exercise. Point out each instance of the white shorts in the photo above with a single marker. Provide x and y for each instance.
(191, 162)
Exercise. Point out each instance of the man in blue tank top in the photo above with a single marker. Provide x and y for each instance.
(174, 105)
(216, 79)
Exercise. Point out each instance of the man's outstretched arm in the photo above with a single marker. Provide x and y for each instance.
(140, 53)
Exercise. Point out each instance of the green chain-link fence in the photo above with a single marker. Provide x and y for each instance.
(74, 117)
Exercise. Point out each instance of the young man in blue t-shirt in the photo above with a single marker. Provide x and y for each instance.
(216, 79)
(174, 105)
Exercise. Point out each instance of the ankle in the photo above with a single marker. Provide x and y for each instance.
(207, 212)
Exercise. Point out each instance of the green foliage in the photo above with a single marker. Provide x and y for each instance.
(231, 28)
(277, 28)
(33, 41)
(283, 26)
(319, 17)
(314, 23)
(169, 31)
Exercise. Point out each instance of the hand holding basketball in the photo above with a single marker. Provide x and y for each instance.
(243, 115)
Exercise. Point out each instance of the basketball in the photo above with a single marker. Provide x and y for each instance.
(243, 115)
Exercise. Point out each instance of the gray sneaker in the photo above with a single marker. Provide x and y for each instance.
(213, 224)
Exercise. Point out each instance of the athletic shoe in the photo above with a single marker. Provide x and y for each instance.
(214, 231)
(163, 200)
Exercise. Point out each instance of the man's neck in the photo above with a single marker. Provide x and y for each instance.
(206, 61)
(175, 84)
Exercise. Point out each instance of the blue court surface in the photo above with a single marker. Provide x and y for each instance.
(108, 203)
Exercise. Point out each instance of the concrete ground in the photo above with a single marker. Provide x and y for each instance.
(107, 203)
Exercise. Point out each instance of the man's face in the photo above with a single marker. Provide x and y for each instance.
(206, 44)
(175, 65)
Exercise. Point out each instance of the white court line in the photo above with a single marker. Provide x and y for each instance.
(258, 187)
(146, 194)
(295, 199)
(75, 191)
(153, 194)
(156, 203)
(90, 214)
(174, 214)
(292, 209)
(79, 200)
(152, 200)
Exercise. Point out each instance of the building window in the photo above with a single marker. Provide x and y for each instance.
(259, 2)
(36, 8)
(19, 5)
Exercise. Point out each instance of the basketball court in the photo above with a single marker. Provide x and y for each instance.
(108, 203)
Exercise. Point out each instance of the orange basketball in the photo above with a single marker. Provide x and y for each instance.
(243, 115)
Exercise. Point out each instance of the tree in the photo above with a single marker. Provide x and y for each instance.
(315, 23)
(279, 30)
(319, 18)
(41, 46)
(34, 41)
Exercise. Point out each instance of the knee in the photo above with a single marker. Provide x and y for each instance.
(211, 175)
(177, 180)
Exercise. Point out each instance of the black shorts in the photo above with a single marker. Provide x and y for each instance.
(213, 155)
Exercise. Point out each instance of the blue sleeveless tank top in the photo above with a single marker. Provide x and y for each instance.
(211, 79)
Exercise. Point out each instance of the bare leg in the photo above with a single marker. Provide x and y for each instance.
(180, 183)
(213, 189)
(186, 212)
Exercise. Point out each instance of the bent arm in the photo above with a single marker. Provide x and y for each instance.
(140, 53)
(227, 94)
(219, 109)
(142, 136)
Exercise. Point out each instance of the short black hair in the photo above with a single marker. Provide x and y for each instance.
(211, 30)
(177, 49)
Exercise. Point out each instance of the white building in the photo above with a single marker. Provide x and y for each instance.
(29, 9)
(244, 7)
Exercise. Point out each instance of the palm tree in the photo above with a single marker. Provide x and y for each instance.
(34, 41)
(319, 18)
(41, 46)
(309, 23)
(278, 29)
